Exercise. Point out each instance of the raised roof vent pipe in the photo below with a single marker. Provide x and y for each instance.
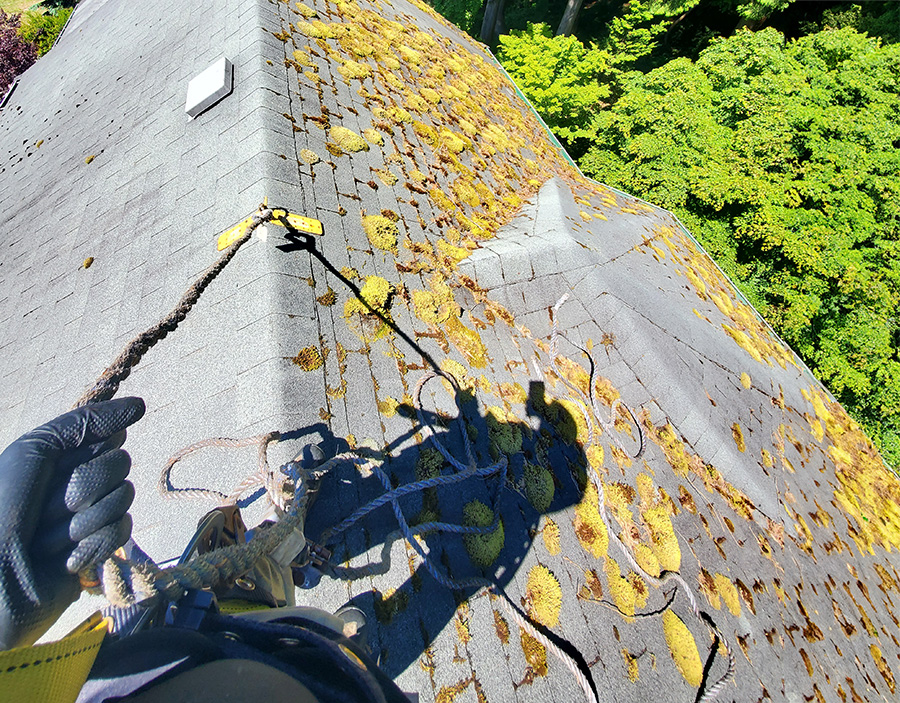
(209, 87)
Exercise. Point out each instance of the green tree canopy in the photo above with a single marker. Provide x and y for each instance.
(558, 74)
(783, 159)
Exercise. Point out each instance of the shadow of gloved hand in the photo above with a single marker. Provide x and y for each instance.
(63, 506)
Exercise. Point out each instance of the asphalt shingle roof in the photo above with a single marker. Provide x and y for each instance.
(754, 484)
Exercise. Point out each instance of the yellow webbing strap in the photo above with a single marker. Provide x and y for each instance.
(55, 671)
(237, 606)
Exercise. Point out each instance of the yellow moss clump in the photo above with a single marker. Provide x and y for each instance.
(665, 543)
(683, 648)
(89, 159)
(453, 142)
(745, 380)
(354, 69)
(436, 306)
(88, 262)
(411, 56)
(539, 488)
(620, 588)
(347, 139)
(594, 455)
(375, 294)
(465, 192)
(388, 406)
(308, 359)
(431, 95)
(544, 595)
(308, 156)
(315, 29)
(738, 436)
(550, 534)
(646, 559)
(483, 550)
(589, 527)
(429, 463)
(503, 431)
(305, 10)
(385, 176)
(381, 231)
(439, 198)
(373, 136)
(729, 593)
(535, 653)
(428, 133)
(467, 342)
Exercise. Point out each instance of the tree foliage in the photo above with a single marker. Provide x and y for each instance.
(782, 157)
(42, 29)
(16, 54)
(558, 74)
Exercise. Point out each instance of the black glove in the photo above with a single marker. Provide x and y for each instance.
(63, 506)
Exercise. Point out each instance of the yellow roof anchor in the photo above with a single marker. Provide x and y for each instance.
(279, 217)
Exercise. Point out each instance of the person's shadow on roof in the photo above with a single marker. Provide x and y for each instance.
(407, 620)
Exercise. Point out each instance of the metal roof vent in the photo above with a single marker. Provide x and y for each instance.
(209, 87)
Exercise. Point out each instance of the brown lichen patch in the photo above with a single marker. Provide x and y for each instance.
(501, 627)
(535, 654)
(592, 588)
(738, 437)
(746, 595)
(550, 535)
(709, 588)
(543, 596)
(308, 359)
(883, 668)
(328, 298)
(589, 527)
(806, 662)
(683, 648)
(448, 694)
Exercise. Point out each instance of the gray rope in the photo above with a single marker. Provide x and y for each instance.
(108, 382)
(711, 693)
(262, 477)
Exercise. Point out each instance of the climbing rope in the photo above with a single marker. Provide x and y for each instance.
(263, 477)
(712, 692)
(108, 382)
(590, 400)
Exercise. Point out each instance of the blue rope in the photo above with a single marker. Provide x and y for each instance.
(392, 496)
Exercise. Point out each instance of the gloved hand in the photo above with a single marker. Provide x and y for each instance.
(63, 506)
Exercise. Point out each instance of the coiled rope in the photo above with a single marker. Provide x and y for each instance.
(712, 692)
